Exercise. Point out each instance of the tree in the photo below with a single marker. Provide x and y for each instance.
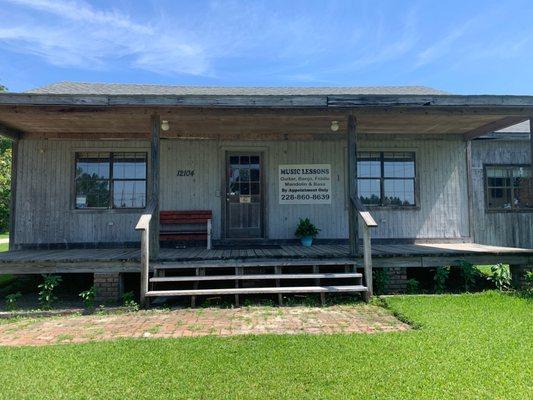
(5, 179)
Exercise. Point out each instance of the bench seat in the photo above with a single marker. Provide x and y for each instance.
(193, 217)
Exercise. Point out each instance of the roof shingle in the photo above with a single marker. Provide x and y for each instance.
(83, 88)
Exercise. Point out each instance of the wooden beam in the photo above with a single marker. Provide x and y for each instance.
(10, 133)
(13, 198)
(492, 127)
(469, 191)
(351, 139)
(267, 100)
(154, 174)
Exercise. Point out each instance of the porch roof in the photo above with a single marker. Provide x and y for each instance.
(81, 111)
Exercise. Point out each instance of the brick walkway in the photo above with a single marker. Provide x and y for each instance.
(200, 322)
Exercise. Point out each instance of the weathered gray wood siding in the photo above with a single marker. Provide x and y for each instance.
(45, 211)
(205, 189)
(441, 166)
(499, 228)
(442, 210)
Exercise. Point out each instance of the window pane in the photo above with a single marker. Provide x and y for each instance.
(91, 192)
(523, 188)
(129, 194)
(369, 165)
(369, 191)
(94, 165)
(129, 165)
(499, 198)
(399, 165)
(399, 192)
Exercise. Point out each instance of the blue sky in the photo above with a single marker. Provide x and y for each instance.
(458, 46)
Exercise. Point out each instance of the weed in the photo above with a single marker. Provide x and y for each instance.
(12, 301)
(441, 276)
(128, 299)
(380, 280)
(46, 290)
(500, 276)
(88, 298)
(413, 286)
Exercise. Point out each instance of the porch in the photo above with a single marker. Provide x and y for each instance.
(122, 259)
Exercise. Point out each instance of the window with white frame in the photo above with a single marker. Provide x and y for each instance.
(386, 178)
(508, 187)
(107, 180)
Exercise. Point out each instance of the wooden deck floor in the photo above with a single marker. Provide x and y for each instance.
(384, 255)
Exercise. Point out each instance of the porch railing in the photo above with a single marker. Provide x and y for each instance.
(368, 222)
(143, 225)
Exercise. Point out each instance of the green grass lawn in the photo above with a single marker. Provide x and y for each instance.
(468, 346)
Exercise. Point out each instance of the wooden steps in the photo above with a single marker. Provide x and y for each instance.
(255, 277)
(257, 290)
(243, 277)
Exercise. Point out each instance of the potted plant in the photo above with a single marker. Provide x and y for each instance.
(306, 231)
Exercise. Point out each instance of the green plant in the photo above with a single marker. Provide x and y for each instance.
(88, 297)
(46, 290)
(441, 275)
(413, 286)
(12, 301)
(380, 280)
(128, 299)
(306, 228)
(469, 273)
(500, 276)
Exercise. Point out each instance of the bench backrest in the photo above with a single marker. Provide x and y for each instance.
(185, 217)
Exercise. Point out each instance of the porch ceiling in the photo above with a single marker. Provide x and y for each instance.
(122, 122)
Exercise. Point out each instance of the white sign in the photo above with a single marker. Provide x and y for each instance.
(305, 184)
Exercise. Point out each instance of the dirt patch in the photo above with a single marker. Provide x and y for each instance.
(200, 322)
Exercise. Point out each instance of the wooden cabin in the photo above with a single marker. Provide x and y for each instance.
(199, 190)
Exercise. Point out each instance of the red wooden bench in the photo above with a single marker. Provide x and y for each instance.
(195, 217)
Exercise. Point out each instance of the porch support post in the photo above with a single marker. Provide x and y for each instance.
(469, 191)
(155, 150)
(531, 149)
(352, 184)
(13, 198)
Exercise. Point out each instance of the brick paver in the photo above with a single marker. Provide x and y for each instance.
(200, 322)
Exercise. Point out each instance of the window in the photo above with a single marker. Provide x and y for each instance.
(509, 187)
(110, 180)
(386, 178)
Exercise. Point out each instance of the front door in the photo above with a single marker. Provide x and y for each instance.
(244, 195)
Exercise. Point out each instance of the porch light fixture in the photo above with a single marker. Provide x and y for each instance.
(165, 126)
(334, 126)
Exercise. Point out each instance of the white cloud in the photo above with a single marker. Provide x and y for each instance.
(79, 35)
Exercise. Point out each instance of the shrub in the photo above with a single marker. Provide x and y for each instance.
(46, 290)
(380, 280)
(441, 276)
(500, 276)
(88, 297)
(413, 286)
(12, 301)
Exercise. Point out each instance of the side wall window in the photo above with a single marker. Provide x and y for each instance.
(508, 187)
(110, 180)
(386, 178)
